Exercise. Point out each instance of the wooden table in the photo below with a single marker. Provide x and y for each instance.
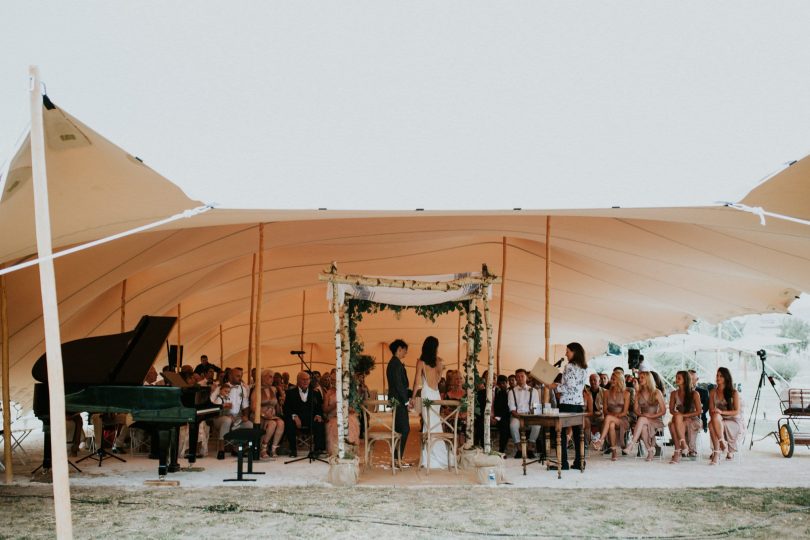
(557, 422)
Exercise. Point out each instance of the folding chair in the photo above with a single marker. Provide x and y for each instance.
(384, 422)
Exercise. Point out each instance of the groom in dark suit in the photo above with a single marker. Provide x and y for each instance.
(399, 389)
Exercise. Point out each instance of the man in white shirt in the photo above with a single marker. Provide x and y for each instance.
(234, 396)
(523, 399)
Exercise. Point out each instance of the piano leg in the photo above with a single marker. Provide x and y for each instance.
(174, 466)
(193, 438)
(164, 440)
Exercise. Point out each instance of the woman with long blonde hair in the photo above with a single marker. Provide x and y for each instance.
(616, 423)
(650, 409)
(272, 423)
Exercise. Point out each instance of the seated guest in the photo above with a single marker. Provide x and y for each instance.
(285, 379)
(726, 416)
(272, 423)
(617, 403)
(650, 409)
(454, 391)
(330, 410)
(604, 380)
(522, 399)
(597, 415)
(151, 377)
(500, 410)
(234, 397)
(303, 408)
(685, 406)
(76, 429)
(704, 398)
(204, 366)
(511, 381)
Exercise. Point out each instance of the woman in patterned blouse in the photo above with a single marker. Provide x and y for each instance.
(571, 399)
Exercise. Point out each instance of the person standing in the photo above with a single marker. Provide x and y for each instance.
(398, 388)
(571, 399)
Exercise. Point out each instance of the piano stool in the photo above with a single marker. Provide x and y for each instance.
(245, 440)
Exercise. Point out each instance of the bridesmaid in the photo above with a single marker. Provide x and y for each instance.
(617, 404)
(726, 422)
(685, 406)
(649, 408)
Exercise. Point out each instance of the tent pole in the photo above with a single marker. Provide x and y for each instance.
(252, 308)
(548, 289)
(257, 408)
(123, 306)
(221, 348)
(179, 343)
(500, 309)
(6, 382)
(303, 321)
(50, 315)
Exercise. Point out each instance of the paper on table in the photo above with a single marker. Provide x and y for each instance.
(544, 372)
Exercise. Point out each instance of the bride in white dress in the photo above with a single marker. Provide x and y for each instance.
(429, 371)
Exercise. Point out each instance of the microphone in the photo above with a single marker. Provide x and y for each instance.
(559, 362)
(297, 352)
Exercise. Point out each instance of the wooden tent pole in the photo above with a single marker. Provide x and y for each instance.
(547, 333)
(252, 308)
(6, 383)
(179, 338)
(50, 315)
(257, 407)
(221, 348)
(123, 306)
(303, 321)
(500, 309)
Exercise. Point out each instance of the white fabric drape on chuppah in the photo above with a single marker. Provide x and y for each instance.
(400, 296)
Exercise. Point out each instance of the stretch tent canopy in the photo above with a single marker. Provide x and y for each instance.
(616, 274)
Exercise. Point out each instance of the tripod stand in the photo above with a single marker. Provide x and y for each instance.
(755, 407)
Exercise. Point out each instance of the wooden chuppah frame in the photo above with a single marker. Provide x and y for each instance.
(343, 347)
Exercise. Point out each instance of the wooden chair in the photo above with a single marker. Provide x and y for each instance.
(380, 426)
(449, 410)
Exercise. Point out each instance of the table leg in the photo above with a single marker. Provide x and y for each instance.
(559, 451)
(582, 449)
(523, 445)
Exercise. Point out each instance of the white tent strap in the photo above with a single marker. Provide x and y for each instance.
(397, 296)
(761, 213)
(182, 215)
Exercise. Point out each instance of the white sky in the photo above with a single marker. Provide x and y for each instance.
(427, 104)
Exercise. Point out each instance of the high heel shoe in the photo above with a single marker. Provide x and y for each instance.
(676, 457)
(683, 446)
(715, 457)
(722, 444)
(598, 445)
(650, 453)
(614, 456)
(730, 456)
(630, 449)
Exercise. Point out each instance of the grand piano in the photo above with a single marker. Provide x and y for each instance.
(105, 374)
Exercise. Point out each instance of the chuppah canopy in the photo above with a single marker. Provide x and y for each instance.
(447, 288)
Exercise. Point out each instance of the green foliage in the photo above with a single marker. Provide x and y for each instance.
(363, 363)
(786, 367)
(794, 328)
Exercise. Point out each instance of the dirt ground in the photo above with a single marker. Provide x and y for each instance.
(365, 512)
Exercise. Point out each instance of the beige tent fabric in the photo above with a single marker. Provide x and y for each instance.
(617, 274)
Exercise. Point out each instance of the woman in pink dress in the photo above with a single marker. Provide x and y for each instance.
(685, 406)
(726, 421)
(272, 421)
(649, 408)
(617, 404)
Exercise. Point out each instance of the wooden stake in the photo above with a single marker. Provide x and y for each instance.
(6, 382)
(252, 307)
(221, 348)
(50, 315)
(123, 306)
(257, 408)
(500, 309)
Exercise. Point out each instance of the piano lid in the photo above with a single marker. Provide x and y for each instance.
(117, 359)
